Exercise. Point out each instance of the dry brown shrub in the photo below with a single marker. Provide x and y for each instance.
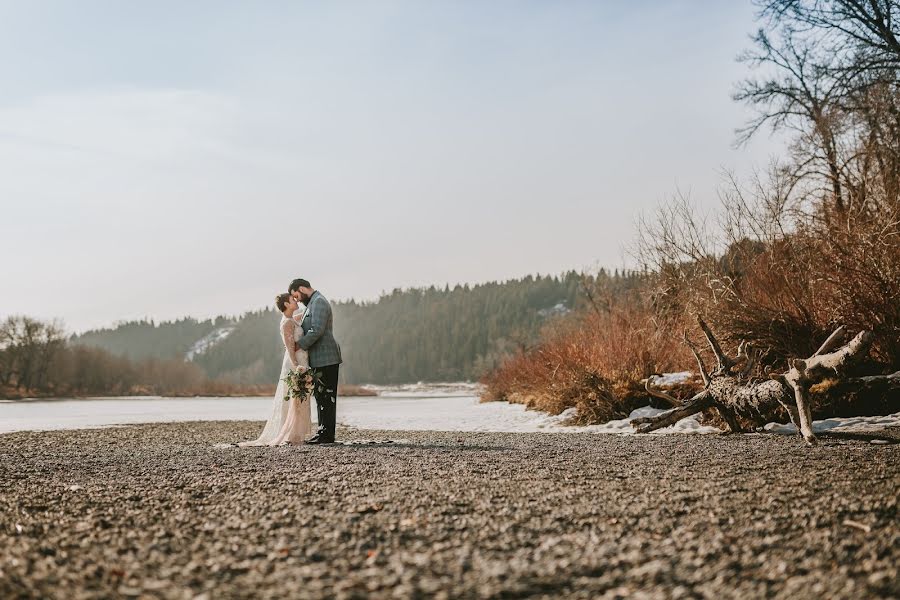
(84, 371)
(781, 273)
(593, 362)
(798, 290)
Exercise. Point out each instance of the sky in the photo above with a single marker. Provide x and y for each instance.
(164, 159)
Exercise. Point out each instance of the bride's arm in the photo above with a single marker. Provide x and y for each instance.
(287, 336)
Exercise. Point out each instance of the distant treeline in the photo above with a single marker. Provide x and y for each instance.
(146, 339)
(424, 334)
(36, 359)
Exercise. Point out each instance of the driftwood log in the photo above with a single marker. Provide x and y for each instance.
(730, 390)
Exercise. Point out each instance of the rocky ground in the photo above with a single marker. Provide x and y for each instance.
(157, 511)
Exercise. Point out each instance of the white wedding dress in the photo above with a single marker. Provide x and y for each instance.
(290, 421)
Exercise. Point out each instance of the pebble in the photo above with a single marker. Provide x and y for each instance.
(163, 512)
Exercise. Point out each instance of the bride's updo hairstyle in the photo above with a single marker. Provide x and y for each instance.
(281, 301)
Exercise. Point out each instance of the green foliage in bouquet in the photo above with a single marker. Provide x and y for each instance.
(302, 383)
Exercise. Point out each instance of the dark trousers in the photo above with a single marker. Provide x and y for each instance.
(326, 400)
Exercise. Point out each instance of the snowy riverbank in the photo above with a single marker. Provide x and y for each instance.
(419, 407)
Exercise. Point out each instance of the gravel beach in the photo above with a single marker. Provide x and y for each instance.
(158, 511)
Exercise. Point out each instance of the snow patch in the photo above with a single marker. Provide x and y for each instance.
(557, 424)
(208, 341)
(404, 412)
(554, 311)
(671, 378)
(400, 408)
(846, 424)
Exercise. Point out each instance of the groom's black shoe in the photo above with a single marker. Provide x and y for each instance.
(320, 439)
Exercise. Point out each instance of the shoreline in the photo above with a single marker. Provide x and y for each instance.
(352, 391)
(520, 420)
(349, 390)
(158, 510)
(79, 398)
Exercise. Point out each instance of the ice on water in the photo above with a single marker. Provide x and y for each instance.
(438, 407)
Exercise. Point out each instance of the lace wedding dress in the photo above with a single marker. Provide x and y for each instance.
(290, 421)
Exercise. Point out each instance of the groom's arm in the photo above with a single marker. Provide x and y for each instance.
(318, 318)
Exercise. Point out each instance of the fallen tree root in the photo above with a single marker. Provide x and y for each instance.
(696, 404)
(736, 398)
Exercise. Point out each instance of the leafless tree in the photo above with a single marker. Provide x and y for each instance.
(825, 64)
(866, 30)
(28, 347)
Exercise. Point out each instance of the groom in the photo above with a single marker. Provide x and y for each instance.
(324, 355)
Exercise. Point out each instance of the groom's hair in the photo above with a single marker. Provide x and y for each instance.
(297, 284)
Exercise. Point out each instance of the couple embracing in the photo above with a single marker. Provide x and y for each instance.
(306, 330)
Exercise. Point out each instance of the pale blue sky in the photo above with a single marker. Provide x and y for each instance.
(164, 159)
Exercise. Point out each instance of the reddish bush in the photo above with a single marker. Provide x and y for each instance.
(593, 362)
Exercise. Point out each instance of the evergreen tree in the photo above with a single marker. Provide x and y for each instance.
(422, 334)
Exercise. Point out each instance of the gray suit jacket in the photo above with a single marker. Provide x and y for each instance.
(318, 337)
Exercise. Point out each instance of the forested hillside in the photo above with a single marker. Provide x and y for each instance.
(429, 334)
(146, 339)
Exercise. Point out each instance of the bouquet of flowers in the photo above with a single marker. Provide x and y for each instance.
(301, 383)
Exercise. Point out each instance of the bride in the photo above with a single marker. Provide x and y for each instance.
(290, 422)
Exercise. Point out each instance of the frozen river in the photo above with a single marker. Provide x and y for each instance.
(415, 407)
(418, 407)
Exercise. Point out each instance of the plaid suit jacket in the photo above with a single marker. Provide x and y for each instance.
(318, 337)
